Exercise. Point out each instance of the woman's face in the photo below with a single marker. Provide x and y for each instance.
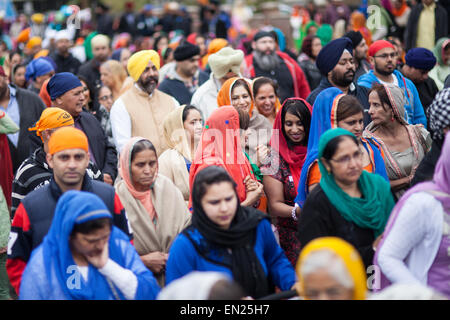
(19, 77)
(41, 79)
(293, 126)
(316, 46)
(87, 94)
(193, 125)
(219, 203)
(105, 97)
(163, 43)
(265, 100)
(144, 169)
(320, 285)
(16, 59)
(200, 41)
(380, 114)
(125, 55)
(241, 99)
(106, 76)
(346, 163)
(354, 124)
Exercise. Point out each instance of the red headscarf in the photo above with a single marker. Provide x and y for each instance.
(295, 156)
(220, 145)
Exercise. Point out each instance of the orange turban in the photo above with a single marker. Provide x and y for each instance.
(42, 53)
(52, 118)
(213, 47)
(67, 138)
(43, 94)
(24, 35)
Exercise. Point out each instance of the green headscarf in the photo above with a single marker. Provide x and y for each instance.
(88, 46)
(373, 209)
(304, 32)
(437, 50)
(325, 33)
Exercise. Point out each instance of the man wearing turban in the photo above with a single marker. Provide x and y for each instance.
(141, 110)
(335, 62)
(68, 157)
(34, 172)
(383, 56)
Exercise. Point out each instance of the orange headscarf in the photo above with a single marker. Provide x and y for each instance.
(125, 172)
(224, 95)
(67, 138)
(220, 145)
(358, 22)
(43, 94)
(213, 47)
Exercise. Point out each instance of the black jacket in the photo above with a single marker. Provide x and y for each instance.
(104, 152)
(91, 71)
(178, 90)
(66, 64)
(30, 109)
(441, 29)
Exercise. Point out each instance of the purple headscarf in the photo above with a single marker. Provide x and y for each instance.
(440, 183)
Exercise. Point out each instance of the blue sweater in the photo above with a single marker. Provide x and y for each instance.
(183, 258)
(413, 106)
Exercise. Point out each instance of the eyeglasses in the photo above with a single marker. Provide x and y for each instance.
(105, 98)
(386, 55)
(345, 160)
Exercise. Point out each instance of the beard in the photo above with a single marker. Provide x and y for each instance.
(343, 80)
(148, 84)
(267, 62)
(384, 72)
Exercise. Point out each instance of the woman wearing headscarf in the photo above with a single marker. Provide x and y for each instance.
(289, 144)
(237, 93)
(333, 109)
(415, 247)
(144, 193)
(442, 69)
(85, 257)
(349, 202)
(227, 237)
(38, 71)
(220, 145)
(403, 145)
(325, 33)
(182, 131)
(330, 268)
(266, 98)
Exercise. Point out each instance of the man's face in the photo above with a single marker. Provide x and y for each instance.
(148, 80)
(72, 101)
(69, 166)
(100, 52)
(344, 71)
(62, 46)
(265, 45)
(384, 61)
(361, 50)
(415, 75)
(188, 67)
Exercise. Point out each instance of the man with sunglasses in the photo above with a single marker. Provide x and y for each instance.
(383, 56)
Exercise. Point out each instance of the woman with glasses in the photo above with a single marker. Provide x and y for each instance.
(349, 203)
(105, 99)
(333, 109)
(403, 145)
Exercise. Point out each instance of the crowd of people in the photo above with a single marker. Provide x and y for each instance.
(144, 159)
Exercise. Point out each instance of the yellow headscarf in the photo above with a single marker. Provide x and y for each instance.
(52, 118)
(175, 134)
(139, 61)
(348, 254)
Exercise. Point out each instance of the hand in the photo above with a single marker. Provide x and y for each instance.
(254, 195)
(99, 260)
(107, 179)
(262, 151)
(250, 184)
(155, 261)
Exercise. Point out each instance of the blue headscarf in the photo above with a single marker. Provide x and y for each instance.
(38, 67)
(281, 39)
(324, 117)
(76, 207)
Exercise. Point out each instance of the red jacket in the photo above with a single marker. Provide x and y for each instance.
(301, 86)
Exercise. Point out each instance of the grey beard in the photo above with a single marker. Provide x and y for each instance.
(267, 62)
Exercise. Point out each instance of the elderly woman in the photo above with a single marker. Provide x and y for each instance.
(182, 131)
(403, 145)
(266, 98)
(415, 247)
(237, 93)
(144, 194)
(227, 237)
(349, 202)
(330, 268)
(113, 75)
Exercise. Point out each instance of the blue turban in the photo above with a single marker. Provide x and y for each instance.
(116, 54)
(62, 82)
(38, 67)
(420, 58)
(330, 54)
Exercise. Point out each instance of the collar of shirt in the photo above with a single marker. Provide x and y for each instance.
(431, 7)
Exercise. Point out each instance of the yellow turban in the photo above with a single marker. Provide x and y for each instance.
(52, 118)
(139, 61)
(38, 18)
(67, 138)
(349, 256)
(34, 41)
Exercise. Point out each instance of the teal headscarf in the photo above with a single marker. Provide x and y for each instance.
(373, 209)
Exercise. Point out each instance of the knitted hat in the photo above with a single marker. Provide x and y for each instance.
(227, 59)
(186, 50)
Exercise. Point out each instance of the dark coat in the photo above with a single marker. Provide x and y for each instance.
(66, 64)
(178, 90)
